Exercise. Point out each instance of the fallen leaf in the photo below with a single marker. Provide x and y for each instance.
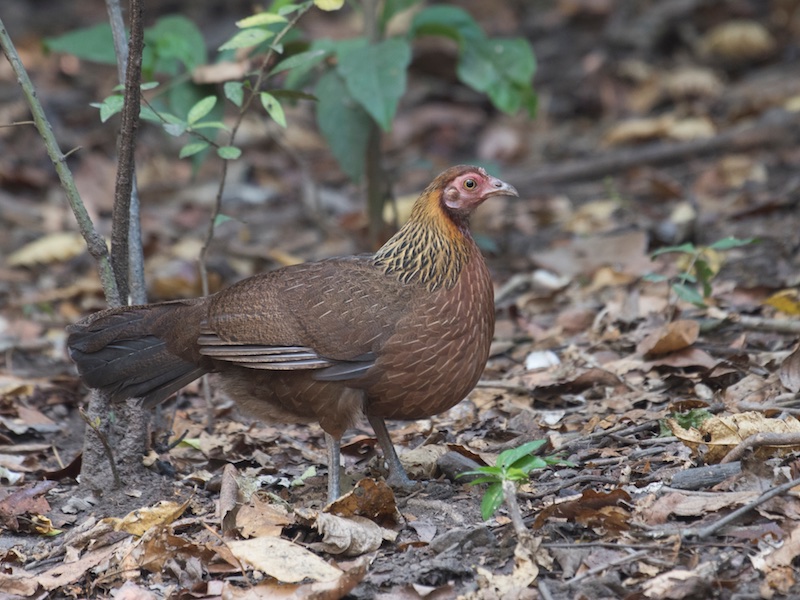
(283, 560)
(48, 249)
(673, 336)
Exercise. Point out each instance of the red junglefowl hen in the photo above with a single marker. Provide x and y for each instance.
(401, 334)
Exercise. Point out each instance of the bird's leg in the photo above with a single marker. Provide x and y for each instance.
(397, 475)
(334, 466)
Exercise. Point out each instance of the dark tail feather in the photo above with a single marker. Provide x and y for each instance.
(129, 352)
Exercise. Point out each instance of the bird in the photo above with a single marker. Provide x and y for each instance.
(403, 333)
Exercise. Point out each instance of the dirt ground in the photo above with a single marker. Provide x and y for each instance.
(657, 126)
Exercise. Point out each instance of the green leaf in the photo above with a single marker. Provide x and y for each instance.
(234, 91)
(509, 457)
(492, 499)
(687, 248)
(294, 95)
(259, 20)
(171, 41)
(201, 109)
(301, 59)
(221, 218)
(95, 44)
(731, 242)
(193, 148)
(501, 68)
(445, 20)
(175, 129)
(148, 114)
(375, 75)
(210, 125)
(247, 38)
(487, 479)
(274, 108)
(150, 85)
(704, 275)
(528, 463)
(655, 278)
(688, 294)
(393, 7)
(344, 124)
(229, 152)
(110, 106)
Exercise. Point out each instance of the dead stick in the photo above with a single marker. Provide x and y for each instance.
(758, 440)
(704, 532)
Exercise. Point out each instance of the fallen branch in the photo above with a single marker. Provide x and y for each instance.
(759, 440)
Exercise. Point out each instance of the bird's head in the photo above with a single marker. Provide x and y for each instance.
(465, 188)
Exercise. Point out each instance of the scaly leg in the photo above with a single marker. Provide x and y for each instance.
(334, 466)
(397, 475)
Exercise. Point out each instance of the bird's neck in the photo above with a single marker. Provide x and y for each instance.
(430, 249)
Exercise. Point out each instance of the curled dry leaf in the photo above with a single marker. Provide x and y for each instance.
(789, 372)
(351, 536)
(670, 338)
(372, 499)
(719, 435)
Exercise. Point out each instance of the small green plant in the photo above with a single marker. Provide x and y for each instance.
(513, 466)
(689, 419)
(698, 266)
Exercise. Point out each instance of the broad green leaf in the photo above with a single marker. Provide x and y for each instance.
(492, 499)
(687, 248)
(175, 129)
(229, 152)
(375, 75)
(210, 125)
(655, 278)
(301, 59)
(501, 68)
(150, 85)
(260, 20)
(173, 39)
(274, 108)
(247, 38)
(446, 20)
(329, 4)
(95, 44)
(234, 91)
(688, 294)
(480, 479)
(201, 109)
(509, 457)
(528, 463)
(148, 114)
(110, 106)
(344, 124)
(731, 242)
(192, 149)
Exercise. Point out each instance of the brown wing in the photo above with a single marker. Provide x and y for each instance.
(332, 316)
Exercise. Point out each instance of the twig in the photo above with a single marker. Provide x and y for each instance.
(762, 324)
(758, 440)
(514, 512)
(135, 262)
(94, 242)
(600, 568)
(106, 446)
(704, 532)
(126, 143)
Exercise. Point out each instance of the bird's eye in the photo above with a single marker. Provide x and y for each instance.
(470, 184)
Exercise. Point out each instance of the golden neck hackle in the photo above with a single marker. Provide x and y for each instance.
(430, 249)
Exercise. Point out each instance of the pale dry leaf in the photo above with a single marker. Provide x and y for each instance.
(283, 560)
(351, 536)
(259, 518)
(56, 247)
(681, 583)
(671, 337)
(138, 521)
(420, 463)
(739, 41)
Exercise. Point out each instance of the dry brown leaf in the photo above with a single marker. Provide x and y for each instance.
(789, 372)
(260, 518)
(593, 509)
(51, 248)
(777, 564)
(687, 504)
(420, 463)
(369, 498)
(638, 130)
(670, 338)
(283, 560)
(682, 583)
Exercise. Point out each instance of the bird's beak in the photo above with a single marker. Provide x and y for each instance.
(501, 188)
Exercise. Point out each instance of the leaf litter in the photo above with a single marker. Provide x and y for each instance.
(677, 416)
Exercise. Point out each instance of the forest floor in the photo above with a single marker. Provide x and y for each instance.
(654, 130)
